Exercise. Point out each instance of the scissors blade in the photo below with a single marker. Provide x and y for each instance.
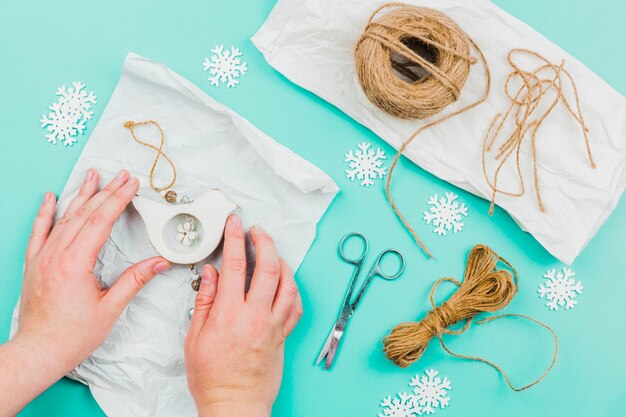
(332, 349)
(326, 347)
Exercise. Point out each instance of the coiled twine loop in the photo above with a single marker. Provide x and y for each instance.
(377, 66)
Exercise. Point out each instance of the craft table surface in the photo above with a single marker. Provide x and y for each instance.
(46, 44)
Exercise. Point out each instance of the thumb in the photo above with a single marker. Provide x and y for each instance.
(132, 280)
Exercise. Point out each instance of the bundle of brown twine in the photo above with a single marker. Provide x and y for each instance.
(485, 288)
(387, 48)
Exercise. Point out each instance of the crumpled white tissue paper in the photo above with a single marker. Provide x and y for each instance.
(312, 43)
(139, 370)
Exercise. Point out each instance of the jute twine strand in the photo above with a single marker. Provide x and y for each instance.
(130, 125)
(426, 97)
(485, 288)
(529, 107)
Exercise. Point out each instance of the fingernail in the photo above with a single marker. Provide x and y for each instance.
(47, 197)
(121, 174)
(88, 176)
(258, 228)
(133, 181)
(161, 266)
(235, 219)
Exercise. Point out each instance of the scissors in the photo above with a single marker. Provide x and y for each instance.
(347, 310)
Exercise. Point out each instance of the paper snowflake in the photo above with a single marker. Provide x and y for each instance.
(225, 66)
(69, 114)
(445, 213)
(430, 391)
(560, 289)
(76, 101)
(405, 405)
(365, 164)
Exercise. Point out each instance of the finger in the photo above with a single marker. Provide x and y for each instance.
(87, 190)
(72, 225)
(98, 227)
(286, 294)
(232, 282)
(131, 281)
(204, 300)
(41, 226)
(294, 316)
(267, 270)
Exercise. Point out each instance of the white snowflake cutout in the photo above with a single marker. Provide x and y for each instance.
(404, 405)
(430, 391)
(69, 114)
(61, 125)
(365, 164)
(75, 101)
(225, 66)
(560, 289)
(445, 214)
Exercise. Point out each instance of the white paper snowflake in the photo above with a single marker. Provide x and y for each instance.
(445, 213)
(365, 164)
(61, 125)
(225, 66)
(76, 101)
(430, 391)
(69, 114)
(404, 405)
(560, 289)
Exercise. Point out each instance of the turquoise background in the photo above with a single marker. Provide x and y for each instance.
(46, 44)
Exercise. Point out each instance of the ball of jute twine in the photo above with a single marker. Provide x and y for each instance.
(485, 288)
(386, 35)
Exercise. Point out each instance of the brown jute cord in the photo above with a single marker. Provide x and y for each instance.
(130, 125)
(485, 288)
(383, 36)
(529, 108)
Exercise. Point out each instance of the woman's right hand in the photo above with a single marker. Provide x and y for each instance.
(234, 347)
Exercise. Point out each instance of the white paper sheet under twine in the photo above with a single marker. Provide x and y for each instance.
(139, 370)
(312, 43)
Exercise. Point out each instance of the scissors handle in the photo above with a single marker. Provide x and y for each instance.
(376, 270)
(359, 259)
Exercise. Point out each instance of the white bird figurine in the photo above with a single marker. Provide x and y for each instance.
(186, 233)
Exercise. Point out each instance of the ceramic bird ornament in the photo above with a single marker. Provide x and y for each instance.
(186, 233)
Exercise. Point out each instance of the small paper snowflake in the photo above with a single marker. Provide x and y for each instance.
(560, 289)
(69, 114)
(445, 213)
(430, 391)
(405, 405)
(365, 164)
(225, 66)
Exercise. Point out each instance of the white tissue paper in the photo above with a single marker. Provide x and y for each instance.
(139, 370)
(312, 43)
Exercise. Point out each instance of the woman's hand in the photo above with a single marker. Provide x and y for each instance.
(234, 347)
(64, 313)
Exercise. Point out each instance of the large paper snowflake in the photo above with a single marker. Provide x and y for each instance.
(404, 405)
(69, 114)
(365, 164)
(560, 289)
(225, 66)
(430, 391)
(445, 213)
